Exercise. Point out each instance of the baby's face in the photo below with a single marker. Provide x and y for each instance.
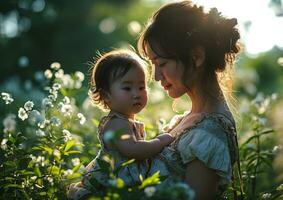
(128, 95)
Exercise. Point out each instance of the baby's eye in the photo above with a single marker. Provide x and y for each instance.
(126, 88)
(142, 88)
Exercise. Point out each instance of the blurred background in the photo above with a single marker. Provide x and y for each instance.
(36, 33)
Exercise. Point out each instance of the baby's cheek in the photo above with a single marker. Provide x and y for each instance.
(124, 97)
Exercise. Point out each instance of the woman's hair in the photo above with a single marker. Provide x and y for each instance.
(107, 69)
(176, 29)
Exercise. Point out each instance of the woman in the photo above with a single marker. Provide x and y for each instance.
(192, 52)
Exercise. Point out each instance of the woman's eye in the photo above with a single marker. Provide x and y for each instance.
(162, 64)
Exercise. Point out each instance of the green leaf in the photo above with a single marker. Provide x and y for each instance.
(76, 168)
(123, 165)
(48, 150)
(128, 162)
(54, 170)
(104, 166)
(153, 180)
(95, 122)
(71, 152)
(37, 171)
(74, 176)
(13, 186)
(69, 145)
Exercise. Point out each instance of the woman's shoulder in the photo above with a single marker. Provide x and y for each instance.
(213, 123)
(207, 142)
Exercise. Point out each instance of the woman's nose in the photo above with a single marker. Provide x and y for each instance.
(157, 74)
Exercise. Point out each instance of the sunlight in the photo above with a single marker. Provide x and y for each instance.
(260, 28)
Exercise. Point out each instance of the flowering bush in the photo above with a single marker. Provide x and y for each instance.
(42, 149)
(45, 147)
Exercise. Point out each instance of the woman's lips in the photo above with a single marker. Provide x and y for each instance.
(166, 87)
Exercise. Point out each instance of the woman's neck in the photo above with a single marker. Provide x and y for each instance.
(208, 100)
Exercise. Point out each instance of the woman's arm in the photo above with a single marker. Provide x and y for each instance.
(202, 180)
(137, 149)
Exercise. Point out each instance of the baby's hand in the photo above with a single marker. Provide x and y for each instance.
(186, 123)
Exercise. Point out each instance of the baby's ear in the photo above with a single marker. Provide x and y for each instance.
(198, 55)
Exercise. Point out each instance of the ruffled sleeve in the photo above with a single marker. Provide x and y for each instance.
(210, 147)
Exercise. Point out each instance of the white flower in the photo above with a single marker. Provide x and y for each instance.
(33, 178)
(67, 135)
(53, 96)
(28, 105)
(22, 114)
(80, 76)
(48, 74)
(59, 74)
(47, 103)
(67, 81)
(76, 161)
(57, 153)
(55, 66)
(280, 187)
(66, 100)
(54, 121)
(36, 117)
(40, 160)
(78, 84)
(50, 180)
(81, 118)
(149, 191)
(40, 133)
(37, 160)
(66, 109)
(56, 86)
(67, 172)
(276, 149)
(266, 195)
(42, 123)
(9, 123)
(7, 97)
(274, 96)
(280, 61)
(4, 144)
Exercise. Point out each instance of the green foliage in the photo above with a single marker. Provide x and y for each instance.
(47, 146)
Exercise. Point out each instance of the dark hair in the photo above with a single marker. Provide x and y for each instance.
(108, 68)
(177, 28)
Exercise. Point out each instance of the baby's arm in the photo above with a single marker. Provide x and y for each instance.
(130, 147)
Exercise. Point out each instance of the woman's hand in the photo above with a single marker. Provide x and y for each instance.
(185, 123)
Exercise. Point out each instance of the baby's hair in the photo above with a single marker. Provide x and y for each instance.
(108, 68)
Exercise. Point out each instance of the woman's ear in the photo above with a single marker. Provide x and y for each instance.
(198, 56)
